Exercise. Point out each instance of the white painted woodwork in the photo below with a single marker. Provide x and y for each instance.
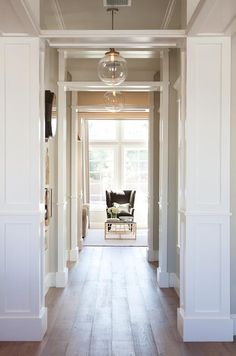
(169, 14)
(19, 18)
(22, 312)
(100, 86)
(62, 271)
(213, 17)
(118, 38)
(150, 250)
(81, 53)
(191, 7)
(204, 314)
(181, 169)
(73, 256)
(80, 164)
(162, 274)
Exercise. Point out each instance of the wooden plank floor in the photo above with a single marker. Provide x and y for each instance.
(112, 306)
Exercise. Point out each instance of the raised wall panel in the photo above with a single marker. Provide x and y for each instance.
(19, 182)
(17, 267)
(207, 276)
(17, 105)
(207, 120)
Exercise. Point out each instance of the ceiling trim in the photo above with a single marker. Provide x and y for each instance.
(102, 108)
(58, 14)
(230, 29)
(26, 16)
(97, 54)
(118, 45)
(99, 86)
(121, 115)
(118, 38)
(204, 11)
(112, 34)
(169, 14)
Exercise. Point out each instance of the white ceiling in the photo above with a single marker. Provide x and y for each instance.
(92, 15)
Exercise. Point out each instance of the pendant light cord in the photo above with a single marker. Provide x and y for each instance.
(113, 10)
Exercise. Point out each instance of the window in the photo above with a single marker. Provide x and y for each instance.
(118, 159)
(135, 130)
(101, 174)
(99, 129)
(136, 169)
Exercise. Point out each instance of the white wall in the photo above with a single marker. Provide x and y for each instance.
(233, 179)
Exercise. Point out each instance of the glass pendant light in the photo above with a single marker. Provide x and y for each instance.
(114, 101)
(112, 68)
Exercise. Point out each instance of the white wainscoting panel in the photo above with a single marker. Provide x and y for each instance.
(207, 124)
(19, 125)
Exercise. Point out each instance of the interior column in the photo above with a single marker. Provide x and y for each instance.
(204, 313)
(22, 313)
(162, 273)
(74, 181)
(62, 271)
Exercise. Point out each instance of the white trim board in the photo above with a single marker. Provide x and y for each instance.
(233, 317)
(99, 86)
(152, 255)
(168, 280)
(49, 281)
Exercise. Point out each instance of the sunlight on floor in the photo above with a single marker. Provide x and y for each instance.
(95, 237)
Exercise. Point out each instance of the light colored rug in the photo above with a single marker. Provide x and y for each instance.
(95, 237)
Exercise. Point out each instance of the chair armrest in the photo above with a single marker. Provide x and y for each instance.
(132, 211)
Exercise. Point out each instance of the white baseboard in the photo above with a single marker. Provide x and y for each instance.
(168, 280)
(233, 317)
(163, 278)
(204, 329)
(174, 282)
(152, 255)
(81, 244)
(49, 281)
(62, 278)
(74, 255)
(30, 328)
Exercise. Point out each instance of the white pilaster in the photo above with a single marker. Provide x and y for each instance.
(162, 274)
(150, 250)
(81, 166)
(22, 313)
(74, 255)
(62, 271)
(204, 313)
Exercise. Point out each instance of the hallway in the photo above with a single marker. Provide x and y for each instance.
(112, 306)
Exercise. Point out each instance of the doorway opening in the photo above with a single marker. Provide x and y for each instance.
(117, 154)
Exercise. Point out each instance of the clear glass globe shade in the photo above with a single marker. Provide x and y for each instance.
(114, 101)
(112, 69)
